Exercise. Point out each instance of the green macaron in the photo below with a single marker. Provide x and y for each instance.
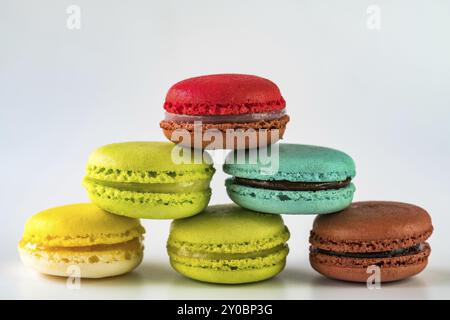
(154, 180)
(291, 179)
(228, 244)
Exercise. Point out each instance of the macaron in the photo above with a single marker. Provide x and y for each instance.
(290, 179)
(228, 244)
(153, 180)
(81, 240)
(387, 236)
(224, 111)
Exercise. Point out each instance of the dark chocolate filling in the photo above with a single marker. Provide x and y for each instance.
(292, 186)
(373, 255)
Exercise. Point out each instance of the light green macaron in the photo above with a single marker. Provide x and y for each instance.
(228, 244)
(153, 180)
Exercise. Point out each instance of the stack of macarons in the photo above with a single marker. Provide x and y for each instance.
(230, 243)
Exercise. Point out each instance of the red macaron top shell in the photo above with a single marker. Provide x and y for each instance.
(224, 94)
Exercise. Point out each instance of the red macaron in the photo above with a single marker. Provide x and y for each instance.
(229, 111)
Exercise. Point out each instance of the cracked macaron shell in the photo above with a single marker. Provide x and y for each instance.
(79, 225)
(296, 162)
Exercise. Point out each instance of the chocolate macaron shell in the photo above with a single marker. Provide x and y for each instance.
(356, 273)
(372, 226)
(170, 131)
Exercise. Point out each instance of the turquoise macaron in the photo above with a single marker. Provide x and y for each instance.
(290, 179)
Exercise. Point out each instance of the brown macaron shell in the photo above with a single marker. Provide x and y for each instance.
(355, 274)
(169, 127)
(370, 227)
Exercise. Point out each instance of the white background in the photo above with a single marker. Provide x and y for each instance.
(380, 95)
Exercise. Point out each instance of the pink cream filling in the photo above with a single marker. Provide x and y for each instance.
(247, 117)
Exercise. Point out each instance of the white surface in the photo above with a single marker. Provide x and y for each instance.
(154, 279)
(381, 96)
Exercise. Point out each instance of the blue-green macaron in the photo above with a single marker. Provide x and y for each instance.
(290, 179)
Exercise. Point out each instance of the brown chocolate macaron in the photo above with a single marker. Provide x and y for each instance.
(390, 235)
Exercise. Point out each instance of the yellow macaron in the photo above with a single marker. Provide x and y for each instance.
(81, 240)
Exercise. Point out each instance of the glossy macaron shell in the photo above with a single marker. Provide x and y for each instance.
(391, 235)
(82, 236)
(291, 163)
(156, 180)
(228, 244)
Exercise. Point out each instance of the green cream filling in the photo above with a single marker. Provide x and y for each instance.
(179, 187)
(245, 262)
(237, 247)
(183, 252)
